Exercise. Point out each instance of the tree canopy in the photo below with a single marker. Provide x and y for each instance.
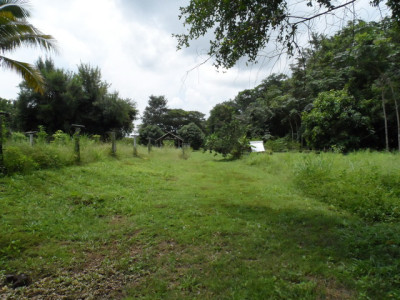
(192, 134)
(243, 28)
(167, 119)
(81, 98)
(342, 93)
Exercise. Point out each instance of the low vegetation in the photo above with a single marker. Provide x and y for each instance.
(20, 157)
(156, 226)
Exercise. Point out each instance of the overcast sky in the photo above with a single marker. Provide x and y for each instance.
(131, 42)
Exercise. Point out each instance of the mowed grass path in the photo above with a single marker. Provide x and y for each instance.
(161, 227)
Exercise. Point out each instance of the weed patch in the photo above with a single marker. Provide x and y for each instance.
(364, 187)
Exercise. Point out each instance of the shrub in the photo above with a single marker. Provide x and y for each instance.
(18, 137)
(127, 141)
(41, 135)
(16, 161)
(96, 138)
(229, 139)
(192, 135)
(150, 131)
(60, 138)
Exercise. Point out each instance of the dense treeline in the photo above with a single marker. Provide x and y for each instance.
(158, 119)
(342, 94)
(81, 98)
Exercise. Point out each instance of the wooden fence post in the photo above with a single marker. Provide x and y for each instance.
(2, 166)
(113, 143)
(76, 139)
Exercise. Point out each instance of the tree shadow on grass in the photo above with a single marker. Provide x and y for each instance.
(359, 255)
(305, 228)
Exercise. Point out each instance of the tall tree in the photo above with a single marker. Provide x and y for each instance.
(16, 31)
(81, 98)
(169, 119)
(174, 119)
(51, 108)
(221, 114)
(155, 111)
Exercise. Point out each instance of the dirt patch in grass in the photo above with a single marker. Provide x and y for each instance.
(97, 275)
(332, 290)
(99, 281)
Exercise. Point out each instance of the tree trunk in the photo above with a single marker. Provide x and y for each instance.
(297, 129)
(385, 119)
(398, 123)
(397, 113)
(291, 128)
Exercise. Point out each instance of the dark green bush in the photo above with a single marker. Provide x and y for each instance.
(192, 135)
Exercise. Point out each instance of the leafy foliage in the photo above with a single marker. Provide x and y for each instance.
(174, 119)
(361, 59)
(230, 139)
(242, 29)
(16, 31)
(336, 119)
(151, 132)
(169, 120)
(80, 98)
(192, 135)
(155, 111)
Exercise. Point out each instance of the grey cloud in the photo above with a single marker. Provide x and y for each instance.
(155, 12)
(165, 15)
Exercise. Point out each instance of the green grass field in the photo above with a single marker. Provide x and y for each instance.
(281, 226)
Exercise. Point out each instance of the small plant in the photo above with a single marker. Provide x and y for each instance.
(242, 145)
(96, 138)
(169, 144)
(337, 148)
(230, 139)
(42, 134)
(18, 137)
(186, 151)
(60, 138)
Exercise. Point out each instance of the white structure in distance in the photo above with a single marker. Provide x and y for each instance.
(257, 146)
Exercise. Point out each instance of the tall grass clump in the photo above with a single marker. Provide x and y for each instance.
(363, 183)
(282, 145)
(93, 150)
(21, 157)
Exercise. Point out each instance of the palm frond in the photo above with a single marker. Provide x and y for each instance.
(10, 43)
(17, 7)
(31, 75)
(16, 31)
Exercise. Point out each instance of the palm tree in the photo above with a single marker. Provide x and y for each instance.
(16, 31)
